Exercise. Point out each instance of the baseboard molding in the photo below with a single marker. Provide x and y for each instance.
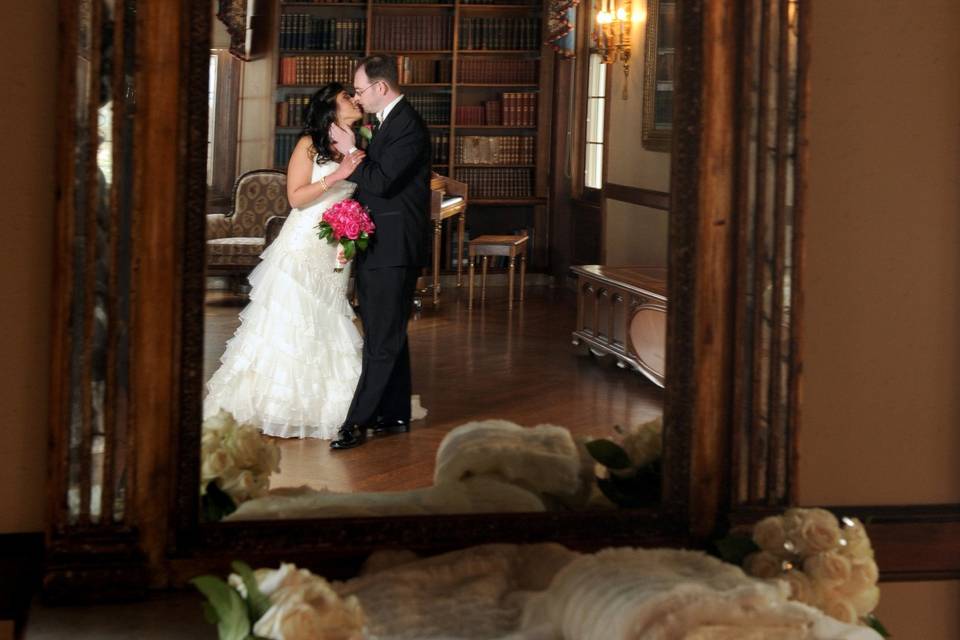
(21, 571)
(911, 542)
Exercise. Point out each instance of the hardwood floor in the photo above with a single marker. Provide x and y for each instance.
(468, 365)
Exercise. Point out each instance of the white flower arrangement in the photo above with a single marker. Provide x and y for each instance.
(236, 464)
(279, 604)
(829, 564)
(630, 473)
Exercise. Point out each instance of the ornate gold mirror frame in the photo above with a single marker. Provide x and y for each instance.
(126, 388)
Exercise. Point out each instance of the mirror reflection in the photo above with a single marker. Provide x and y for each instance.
(436, 260)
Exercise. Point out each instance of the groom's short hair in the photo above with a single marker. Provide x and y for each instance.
(382, 68)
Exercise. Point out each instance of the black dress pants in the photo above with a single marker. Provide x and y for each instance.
(386, 300)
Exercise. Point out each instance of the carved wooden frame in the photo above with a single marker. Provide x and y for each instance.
(161, 541)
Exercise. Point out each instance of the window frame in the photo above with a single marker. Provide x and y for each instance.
(584, 47)
(226, 117)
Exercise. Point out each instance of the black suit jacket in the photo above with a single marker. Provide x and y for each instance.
(393, 182)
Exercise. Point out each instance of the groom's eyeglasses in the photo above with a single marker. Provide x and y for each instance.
(359, 92)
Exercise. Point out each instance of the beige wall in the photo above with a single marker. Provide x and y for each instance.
(633, 234)
(881, 411)
(256, 109)
(27, 158)
(882, 353)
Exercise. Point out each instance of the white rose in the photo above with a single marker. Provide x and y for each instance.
(864, 574)
(831, 569)
(815, 531)
(215, 465)
(245, 447)
(856, 539)
(644, 443)
(305, 606)
(838, 607)
(770, 536)
(866, 600)
(223, 422)
(801, 588)
(763, 565)
(269, 458)
(239, 487)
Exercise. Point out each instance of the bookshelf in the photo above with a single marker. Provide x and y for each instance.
(477, 73)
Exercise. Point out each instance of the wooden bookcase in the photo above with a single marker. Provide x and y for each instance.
(448, 66)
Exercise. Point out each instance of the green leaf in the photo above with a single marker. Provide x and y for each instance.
(735, 547)
(215, 504)
(258, 602)
(349, 248)
(362, 242)
(609, 454)
(233, 622)
(209, 613)
(874, 623)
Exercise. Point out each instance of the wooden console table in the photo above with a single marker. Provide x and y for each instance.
(622, 311)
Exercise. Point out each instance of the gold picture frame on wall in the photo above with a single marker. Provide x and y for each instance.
(658, 75)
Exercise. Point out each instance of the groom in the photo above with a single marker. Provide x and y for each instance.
(393, 181)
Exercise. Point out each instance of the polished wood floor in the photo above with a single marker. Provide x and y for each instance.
(488, 362)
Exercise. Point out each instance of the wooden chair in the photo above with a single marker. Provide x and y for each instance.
(512, 247)
(448, 198)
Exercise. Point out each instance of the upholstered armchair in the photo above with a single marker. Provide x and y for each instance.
(235, 240)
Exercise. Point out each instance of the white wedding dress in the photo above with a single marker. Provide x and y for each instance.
(293, 364)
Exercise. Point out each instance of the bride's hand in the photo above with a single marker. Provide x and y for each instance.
(341, 256)
(350, 162)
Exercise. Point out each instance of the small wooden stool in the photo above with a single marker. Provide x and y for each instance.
(509, 246)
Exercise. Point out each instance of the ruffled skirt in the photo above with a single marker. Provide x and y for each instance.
(292, 366)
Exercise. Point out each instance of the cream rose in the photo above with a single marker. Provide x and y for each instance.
(245, 447)
(857, 543)
(831, 569)
(866, 600)
(241, 486)
(770, 535)
(215, 465)
(837, 606)
(815, 531)
(864, 574)
(763, 565)
(801, 588)
(644, 443)
(306, 607)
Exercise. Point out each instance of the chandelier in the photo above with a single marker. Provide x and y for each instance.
(613, 24)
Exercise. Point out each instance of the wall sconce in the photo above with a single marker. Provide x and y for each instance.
(613, 24)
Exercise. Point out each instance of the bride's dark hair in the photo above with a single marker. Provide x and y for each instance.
(321, 113)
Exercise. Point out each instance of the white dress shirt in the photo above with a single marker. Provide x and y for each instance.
(382, 115)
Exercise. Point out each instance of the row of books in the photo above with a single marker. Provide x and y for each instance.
(434, 108)
(424, 70)
(283, 146)
(512, 110)
(497, 183)
(412, 33)
(496, 150)
(316, 70)
(316, 33)
(441, 147)
(499, 33)
(292, 111)
(485, 70)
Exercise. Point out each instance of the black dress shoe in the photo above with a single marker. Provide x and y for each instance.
(349, 437)
(385, 427)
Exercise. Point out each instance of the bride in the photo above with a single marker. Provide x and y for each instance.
(293, 364)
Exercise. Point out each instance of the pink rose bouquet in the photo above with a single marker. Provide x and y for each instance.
(347, 223)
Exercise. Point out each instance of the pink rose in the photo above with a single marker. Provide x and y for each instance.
(352, 229)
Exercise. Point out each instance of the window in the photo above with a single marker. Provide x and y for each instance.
(211, 115)
(223, 99)
(596, 104)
